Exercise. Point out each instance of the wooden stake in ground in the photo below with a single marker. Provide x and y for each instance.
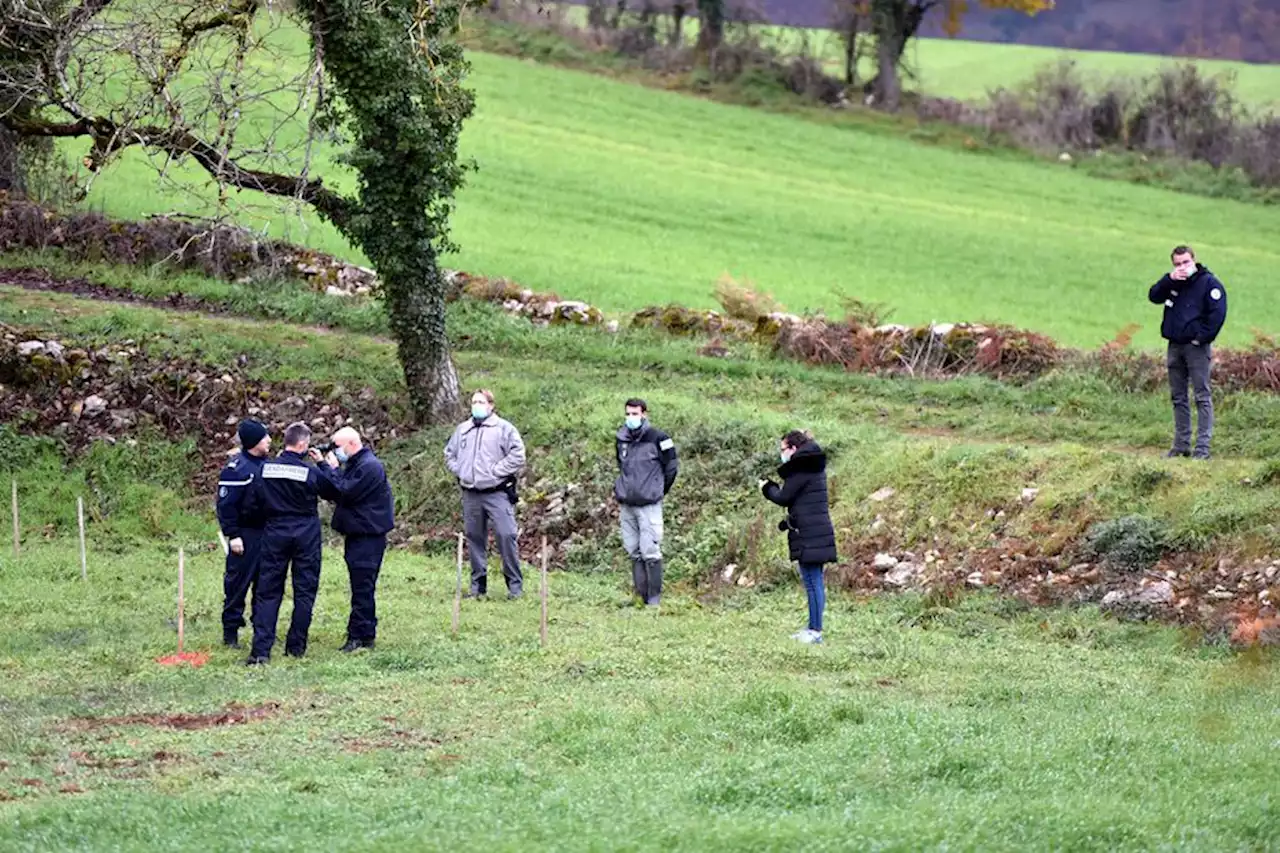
(457, 593)
(544, 592)
(17, 529)
(84, 563)
(181, 595)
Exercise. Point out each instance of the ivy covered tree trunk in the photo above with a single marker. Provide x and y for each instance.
(417, 318)
(397, 69)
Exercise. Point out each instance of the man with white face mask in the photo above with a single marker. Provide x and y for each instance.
(647, 468)
(364, 514)
(1195, 307)
(486, 454)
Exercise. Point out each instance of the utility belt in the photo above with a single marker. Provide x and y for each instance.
(508, 486)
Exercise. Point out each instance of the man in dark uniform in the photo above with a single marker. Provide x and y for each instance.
(287, 493)
(241, 525)
(1195, 308)
(364, 514)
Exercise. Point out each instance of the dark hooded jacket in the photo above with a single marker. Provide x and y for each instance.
(1194, 309)
(810, 534)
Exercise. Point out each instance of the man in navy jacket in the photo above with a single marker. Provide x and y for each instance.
(1195, 307)
(241, 524)
(287, 494)
(364, 513)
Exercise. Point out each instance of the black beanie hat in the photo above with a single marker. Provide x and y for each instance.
(251, 432)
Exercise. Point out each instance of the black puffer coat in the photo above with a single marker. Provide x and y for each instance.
(810, 534)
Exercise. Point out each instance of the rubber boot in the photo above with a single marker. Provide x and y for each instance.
(640, 579)
(653, 590)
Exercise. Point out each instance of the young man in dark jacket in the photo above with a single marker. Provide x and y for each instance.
(1195, 307)
(811, 538)
(647, 468)
(364, 514)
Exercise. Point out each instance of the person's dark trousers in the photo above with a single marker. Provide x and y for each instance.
(364, 562)
(240, 575)
(815, 592)
(1191, 364)
(479, 510)
(299, 545)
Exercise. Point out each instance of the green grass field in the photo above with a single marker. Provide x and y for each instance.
(626, 197)
(703, 728)
(956, 719)
(968, 70)
(924, 722)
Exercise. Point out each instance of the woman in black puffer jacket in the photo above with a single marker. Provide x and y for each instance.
(810, 534)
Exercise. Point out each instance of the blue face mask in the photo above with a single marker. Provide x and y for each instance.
(634, 421)
(785, 456)
(341, 455)
(479, 412)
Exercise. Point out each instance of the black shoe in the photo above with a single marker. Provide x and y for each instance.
(512, 596)
(294, 653)
(255, 660)
(231, 641)
(1200, 454)
(356, 645)
(475, 594)
(1174, 454)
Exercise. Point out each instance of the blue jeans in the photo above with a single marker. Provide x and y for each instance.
(814, 591)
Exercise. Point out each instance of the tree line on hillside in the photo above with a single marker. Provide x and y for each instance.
(882, 28)
(1245, 30)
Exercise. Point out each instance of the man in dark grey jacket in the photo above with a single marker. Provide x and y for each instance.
(486, 454)
(647, 467)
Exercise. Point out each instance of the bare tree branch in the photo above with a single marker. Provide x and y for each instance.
(108, 138)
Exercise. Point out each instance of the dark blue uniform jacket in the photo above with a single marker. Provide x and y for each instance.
(235, 508)
(288, 490)
(1194, 309)
(365, 506)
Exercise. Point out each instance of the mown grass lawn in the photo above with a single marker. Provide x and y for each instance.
(972, 727)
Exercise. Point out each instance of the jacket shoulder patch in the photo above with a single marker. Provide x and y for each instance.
(1215, 294)
(666, 444)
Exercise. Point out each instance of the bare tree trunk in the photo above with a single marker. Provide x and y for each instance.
(11, 177)
(894, 23)
(678, 12)
(595, 14)
(887, 87)
(710, 26)
(850, 36)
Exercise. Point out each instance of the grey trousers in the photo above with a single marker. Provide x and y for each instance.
(1189, 363)
(479, 511)
(642, 531)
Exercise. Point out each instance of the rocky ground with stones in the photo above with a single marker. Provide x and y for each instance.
(79, 393)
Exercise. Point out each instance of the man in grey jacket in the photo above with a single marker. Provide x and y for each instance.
(647, 467)
(486, 454)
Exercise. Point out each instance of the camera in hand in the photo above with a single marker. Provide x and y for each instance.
(325, 449)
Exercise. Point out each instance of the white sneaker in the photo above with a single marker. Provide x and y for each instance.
(807, 636)
(801, 634)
